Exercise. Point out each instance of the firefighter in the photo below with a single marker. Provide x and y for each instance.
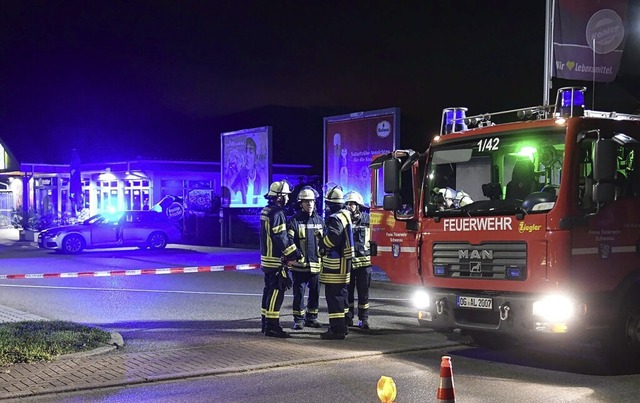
(276, 249)
(361, 263)
(448, 198)
(302, 228)
(336, 248)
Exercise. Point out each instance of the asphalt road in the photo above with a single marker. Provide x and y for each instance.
(163, 312)
(416, 375)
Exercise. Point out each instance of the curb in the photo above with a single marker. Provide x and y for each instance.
(115, 343)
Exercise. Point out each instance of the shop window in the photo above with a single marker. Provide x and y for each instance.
(136, 195)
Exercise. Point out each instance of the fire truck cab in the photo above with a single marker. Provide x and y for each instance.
(525, 228)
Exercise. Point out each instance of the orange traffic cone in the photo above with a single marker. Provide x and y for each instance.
(446, 391)
(386, 390)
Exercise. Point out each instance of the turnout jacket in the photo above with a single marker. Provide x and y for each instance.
(302, 228)
(361, 239)
(274, 240)
(338, 246)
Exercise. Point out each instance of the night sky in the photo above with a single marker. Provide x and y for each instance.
(136, 78)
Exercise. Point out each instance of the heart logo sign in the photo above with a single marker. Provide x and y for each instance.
(571, 65)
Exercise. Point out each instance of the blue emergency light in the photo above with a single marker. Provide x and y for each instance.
(439, 270)
(453, 120)
(571, 101)
(514, 272)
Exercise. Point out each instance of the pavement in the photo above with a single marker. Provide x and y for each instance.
(222, 352)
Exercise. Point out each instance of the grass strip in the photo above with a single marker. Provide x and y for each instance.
(31, 341)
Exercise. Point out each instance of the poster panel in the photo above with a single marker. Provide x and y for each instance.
(350, 142)
(246, 167)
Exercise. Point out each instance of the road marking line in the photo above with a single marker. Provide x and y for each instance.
(239, 294)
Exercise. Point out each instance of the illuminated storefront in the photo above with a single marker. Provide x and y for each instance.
(131, 185)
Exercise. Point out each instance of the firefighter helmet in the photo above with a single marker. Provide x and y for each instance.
(334, 195)
(462, 199)
(448, 193)
(307, 193)
(278, 188)
(355, 197)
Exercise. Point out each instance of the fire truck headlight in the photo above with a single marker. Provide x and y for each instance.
(555, 308)
(420, 300)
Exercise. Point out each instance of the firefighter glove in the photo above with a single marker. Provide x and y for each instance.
(284, 281)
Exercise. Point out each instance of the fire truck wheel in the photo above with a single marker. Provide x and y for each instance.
(623, 344)
(492, 341)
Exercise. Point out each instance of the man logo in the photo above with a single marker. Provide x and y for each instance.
(482, 254)
(475, 267)
(395, 249)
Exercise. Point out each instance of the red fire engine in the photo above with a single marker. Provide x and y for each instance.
(518, 229)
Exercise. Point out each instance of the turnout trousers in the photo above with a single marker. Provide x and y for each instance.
(272, 298)
(360, 282)
(301, 281)
(337, 296)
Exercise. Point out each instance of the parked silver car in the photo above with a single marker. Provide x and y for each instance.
(144, 229)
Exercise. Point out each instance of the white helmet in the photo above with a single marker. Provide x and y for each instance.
(448, 193)
(278, 188)
(334, 195)
(462, 199)
(354, 196)
(307, 193)
(448, 196)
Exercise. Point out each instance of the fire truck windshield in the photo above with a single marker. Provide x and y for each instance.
(501, 173)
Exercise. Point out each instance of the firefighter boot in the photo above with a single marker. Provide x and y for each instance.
(273, 329)
(349, 319)
(312, 322)
(277, 332)
(298, 324)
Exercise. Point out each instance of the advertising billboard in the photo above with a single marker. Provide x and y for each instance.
(350, 142)
(246, 167)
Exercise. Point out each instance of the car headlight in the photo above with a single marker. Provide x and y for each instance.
(555, 308)
(420, 300)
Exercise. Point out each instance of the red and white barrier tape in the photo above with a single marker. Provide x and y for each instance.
(109, 273)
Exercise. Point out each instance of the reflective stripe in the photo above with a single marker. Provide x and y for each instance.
(367, 238)
(361, 261)
(328, 242)
(594, 251)
(402, 249)
(271, 313)
(290, 249)
(328, 278)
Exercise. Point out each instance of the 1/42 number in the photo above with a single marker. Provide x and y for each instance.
(488, 144)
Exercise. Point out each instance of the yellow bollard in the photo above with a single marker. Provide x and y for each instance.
(387, 389)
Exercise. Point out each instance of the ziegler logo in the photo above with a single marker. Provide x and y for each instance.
(522, 228)
(482, 254)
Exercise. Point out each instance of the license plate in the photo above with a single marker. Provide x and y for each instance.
(474, 302)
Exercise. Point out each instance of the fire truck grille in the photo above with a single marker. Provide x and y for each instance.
(487, 261)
